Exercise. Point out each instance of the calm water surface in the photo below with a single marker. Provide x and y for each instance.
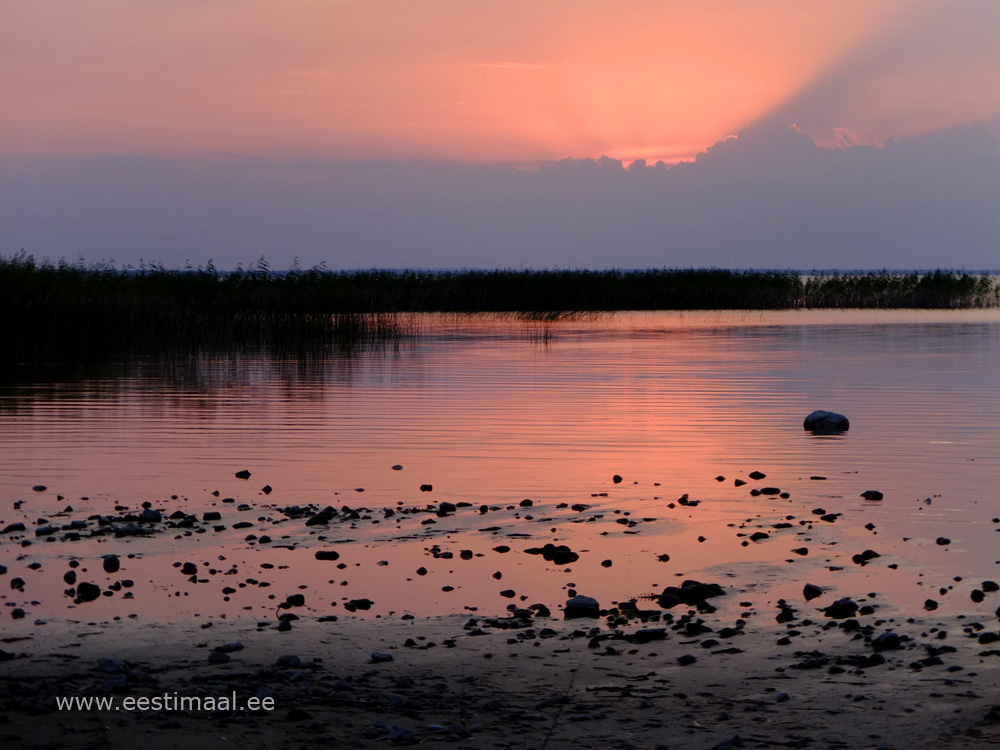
(495, 411)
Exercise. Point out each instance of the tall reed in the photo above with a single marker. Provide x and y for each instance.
(64, 311)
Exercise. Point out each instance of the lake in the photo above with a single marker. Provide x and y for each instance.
(492, 412)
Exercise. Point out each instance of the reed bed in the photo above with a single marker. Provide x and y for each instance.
(64, 312)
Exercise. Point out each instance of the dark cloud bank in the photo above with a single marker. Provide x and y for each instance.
(769, 199)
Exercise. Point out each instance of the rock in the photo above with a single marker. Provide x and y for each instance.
(559, 554)
(289, 660)
(872, 495)
(977, 595)
(942, 541)
(508, 593)
(267, 489)
(397, 467)
(244, 474)
(323, 517)
(690, 592)
(686, 659)
(757, 475)
(810, 592)
(379, 658)
(112, 564)
(355, 604)
(189, 569)
(841, 608)
(826, 423)
(327, 554)
(446, 508)
(427, 488)
(400, 736)
(150, 516)
(212, 515)
(111, 666)
(13, 527)
(738, 482)
(582, 606)
(88, 592)
(990, 586)
(864, 557)
(39, 488)
(617, 479)
(887, 641)
(295, 600)
(218, 657)
(930, 605)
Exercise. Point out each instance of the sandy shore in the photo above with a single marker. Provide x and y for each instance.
(470, 682)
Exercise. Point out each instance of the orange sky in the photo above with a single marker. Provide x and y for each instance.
(489, 80)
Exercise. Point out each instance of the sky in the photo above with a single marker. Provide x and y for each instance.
(551, 133)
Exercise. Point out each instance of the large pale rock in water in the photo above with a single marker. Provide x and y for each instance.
(582, 606)
(826, 422)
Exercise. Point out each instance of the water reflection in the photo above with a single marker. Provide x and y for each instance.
(493, 410)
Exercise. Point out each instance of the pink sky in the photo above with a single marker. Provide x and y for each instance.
(483, 81)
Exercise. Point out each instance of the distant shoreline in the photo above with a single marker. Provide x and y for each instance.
(68, 312)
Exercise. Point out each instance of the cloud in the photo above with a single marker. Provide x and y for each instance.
(768, 198)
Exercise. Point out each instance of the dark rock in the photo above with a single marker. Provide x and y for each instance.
(559, 554)
(189, 569)
(841, 608)
(686, 659)
(758, 536)
(810, 592)
(218, 657)
(801, 550)
(88, 592)
(267, 489)
(355, 604)
(111, 564)
(864, 557)
(323, 517)
(617, 479)
(427, 488)
(12, 527)
(826, 422)
(738, 482)
(289, 660)
(690, 592)
(977, 595)
(990, 586)
(212, 515)
(508, 593)
(244, 474)
(942, 541)
(757, 475)
(150, 516)
(888, 641)
(39, 488)
(327, 554)
(871, 495)
(295, 600)
(379, 658)
(582, 606)
(446, 508)
(930, 605)
(111, 666)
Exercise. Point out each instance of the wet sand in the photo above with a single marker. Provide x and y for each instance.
(781, 629)
(475, 682)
